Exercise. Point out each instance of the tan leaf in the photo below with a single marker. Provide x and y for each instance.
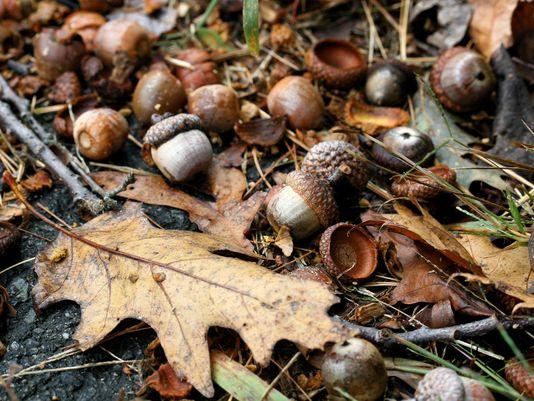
(232, 222)
(491, 24)
(175, 282)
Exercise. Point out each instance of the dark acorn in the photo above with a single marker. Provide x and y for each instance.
(389, 83)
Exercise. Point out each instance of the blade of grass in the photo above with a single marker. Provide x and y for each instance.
(209, 9)
(251, 25)
(517, 352)
(514, 211)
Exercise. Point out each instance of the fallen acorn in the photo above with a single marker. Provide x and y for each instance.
(304, 205)
(178, 147)
(389, 83)
(355, 367)
(63, 123)
(519, 376)
(336, 62)
(421, 185)
(216, 105)
(348, 251)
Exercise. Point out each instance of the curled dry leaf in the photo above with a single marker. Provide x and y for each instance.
(38, 181)
(165, 382)
(119, 266)
(284, 241)
(232, 222)
(372, 119)
(263, 132)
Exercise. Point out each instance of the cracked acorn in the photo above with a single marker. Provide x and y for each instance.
(178, 147)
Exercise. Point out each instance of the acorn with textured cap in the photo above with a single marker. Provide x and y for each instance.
(337, 162)
(305, 205)
(178, 147)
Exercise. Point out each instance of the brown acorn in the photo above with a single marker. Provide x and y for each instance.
(158, 91)
(519, 376)
(99, 133)
(462, 80)
(348, 251)
(420, 185)
(337, 161)
(440, 384)
(304, 205)
(404, 141)
(389, 83)
(203, 72)
(63, 123)
(53, 58)
(298, 100)
(337, 62)
(216, 105)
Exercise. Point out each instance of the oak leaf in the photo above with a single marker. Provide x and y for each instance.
(118, 266)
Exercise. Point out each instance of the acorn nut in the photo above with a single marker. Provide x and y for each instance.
(158, 91)
(178, 147)
(462, 79)
(405, 141)
(99, 133)
(338, 63)
(389, 83)
(337, 161)
(298, 100)
(216, 105)
(356, 367)
(304, 205)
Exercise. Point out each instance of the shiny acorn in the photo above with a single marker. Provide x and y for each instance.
(217, 106)
(178, 147)
(298, 100)
(462, 80)
(99, 133)
(389, 83)
(404, 141)
(304, 205)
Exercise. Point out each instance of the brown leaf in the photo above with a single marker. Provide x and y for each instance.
(175, 282)
(440, 315)
(372, 119)
(491, 24)
(226, 184)
(232, 222)
(165, 382)
(38, 181)
(263, 132)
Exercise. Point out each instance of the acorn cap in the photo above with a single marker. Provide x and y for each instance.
(440, 384)
(168, 128)
(326, 158)
(519, 376)
(317, 194)
(349, 251)
(337, 62)
(420, 185)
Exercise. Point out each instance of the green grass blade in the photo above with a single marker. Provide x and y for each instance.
(251, 25)
(514, 211)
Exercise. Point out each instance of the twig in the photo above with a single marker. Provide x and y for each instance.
(83, 198)
(386, 338)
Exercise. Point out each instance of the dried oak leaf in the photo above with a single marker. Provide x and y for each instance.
(263, 131)
(38, 181)
(165, 382)
(177, 283)
(232, 222)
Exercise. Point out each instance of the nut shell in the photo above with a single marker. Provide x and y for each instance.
(99, 133)
(357, 367)
(475, 391)
(338, 63)
(349, 251)
(389, 82)
(462, 79)
(440, 384)
(405, 141)
(170, 127)
(157, 92)
(296, 98)
(216, 105)
(420, 185)
(519, 376)
(326, 158)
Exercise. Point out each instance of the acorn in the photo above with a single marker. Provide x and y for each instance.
(53, 58)
(63, 123)
(338, 63)
(216, 105)
(519, 376)
(158, 91)
(178, 147)
(462, 80)
(356, 367)
(405, 141)
(337, 161)
(389, 83)
(298, 100)
(203, 72)
(82, 23)
(122, 44)
(304, 205)
(99, 133)
(422, 186)
(348, 251)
